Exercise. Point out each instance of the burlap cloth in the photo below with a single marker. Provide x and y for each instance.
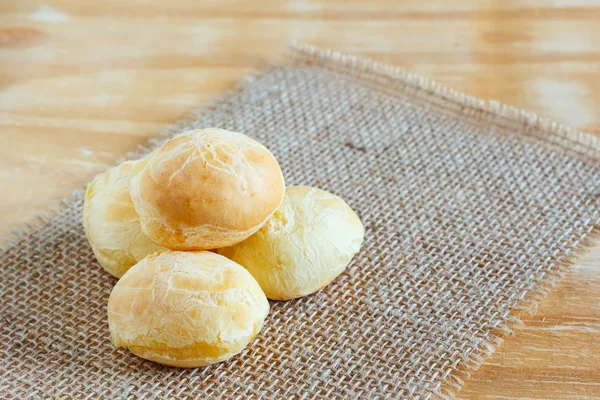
(469, 208)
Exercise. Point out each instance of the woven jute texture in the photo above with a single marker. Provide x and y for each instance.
(470, 208)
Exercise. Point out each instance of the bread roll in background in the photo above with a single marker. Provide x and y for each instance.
(186, 309)
(205, 189)
(111, 223)
(307, 243)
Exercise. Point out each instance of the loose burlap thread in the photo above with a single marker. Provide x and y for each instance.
(471, 209)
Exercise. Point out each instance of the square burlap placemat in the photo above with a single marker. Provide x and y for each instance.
(469, 207)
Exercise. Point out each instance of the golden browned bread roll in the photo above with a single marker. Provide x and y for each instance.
(307, 243)
(186, 309)
(111, 224)
(205, 189)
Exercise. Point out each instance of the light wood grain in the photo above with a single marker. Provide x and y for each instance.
(83, 83)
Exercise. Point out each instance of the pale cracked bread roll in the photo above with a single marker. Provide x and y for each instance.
(307, 243)
(186, 309)
(111, 223)
(205, 189)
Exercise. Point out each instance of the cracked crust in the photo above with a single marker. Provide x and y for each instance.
(111, 223)
(307, 243)
(186, 309)
(206, 189)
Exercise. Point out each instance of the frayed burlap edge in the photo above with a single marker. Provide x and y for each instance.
(526, 307)
(395, 80)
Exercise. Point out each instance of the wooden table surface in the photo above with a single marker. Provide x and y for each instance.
(82, 83)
